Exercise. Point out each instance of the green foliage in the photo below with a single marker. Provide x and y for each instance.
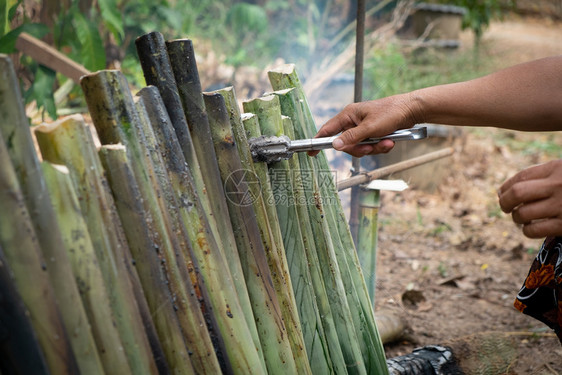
(480, 13)
(390, 70)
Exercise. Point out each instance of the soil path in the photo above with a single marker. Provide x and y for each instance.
(449, 261)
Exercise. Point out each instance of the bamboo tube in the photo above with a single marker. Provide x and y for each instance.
(282, 210)
(113, 112)
(278, 266)
(333, 349)
(29, 270)
(157, 70)
(183, 186)
(267, 310)
(71, 144)
(367, 236)
(325, 247)
(20, 351)
(194, 228)
(360, 304)
(328, 327)
(128, 132)
(15, 130)
(151, 265)
(84, 262)
(269, 118)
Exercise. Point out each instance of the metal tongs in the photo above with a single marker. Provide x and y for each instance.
(270, 149)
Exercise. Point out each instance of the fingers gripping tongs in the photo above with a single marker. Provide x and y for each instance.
(270, 149)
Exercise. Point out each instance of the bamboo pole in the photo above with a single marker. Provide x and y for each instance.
(157, 70)
(281, 210)
(29, 274)
(84, 262)
(188, 225)
(359, 302)
(20, 350)
(325, 247)
(367, 236)
(114, 115)
(330, 340)
(266, 206)
(267, 310)
(394, 168)
(268, 111)
(74, 147)
(15, 130)
(151, 265)
(111, 91)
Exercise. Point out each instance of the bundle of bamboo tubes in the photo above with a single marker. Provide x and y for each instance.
(167, 249)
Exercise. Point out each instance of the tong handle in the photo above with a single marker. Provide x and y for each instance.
(326, 142)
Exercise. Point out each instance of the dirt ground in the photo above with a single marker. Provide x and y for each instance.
(449, 261)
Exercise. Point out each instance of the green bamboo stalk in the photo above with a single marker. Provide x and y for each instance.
(183, 186)
(20, 351)
(157, 70)
(367, 236)
(326, 249)
(268, 112)
(28, 267)
(151, 265)
(300, 346)
(85, 267)
(360, 304)
(294, 245)
(267, 310)
(127, 130)
(74, 147)
(328, 325)
(114, 115)
(15, 130)
(194, 229)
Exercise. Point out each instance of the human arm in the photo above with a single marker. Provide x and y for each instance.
(525, 97)
(534, 199)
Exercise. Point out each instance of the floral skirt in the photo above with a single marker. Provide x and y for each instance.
(541, 295)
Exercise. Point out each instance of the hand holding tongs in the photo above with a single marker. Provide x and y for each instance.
(271, 149)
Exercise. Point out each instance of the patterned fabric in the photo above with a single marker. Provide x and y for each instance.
(541, 295)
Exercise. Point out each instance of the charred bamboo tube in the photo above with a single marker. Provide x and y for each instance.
(85, 266)
(107, 91)
(28, 268)
(269, 319)
(20, 351)
(367, 236)
(71, 144)
(297, 258)
(158, 71)
(151, 265)
(325, 247)
(183, 186)
(192, 320)
(15, 130)
(360, 304)
(268, 112)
